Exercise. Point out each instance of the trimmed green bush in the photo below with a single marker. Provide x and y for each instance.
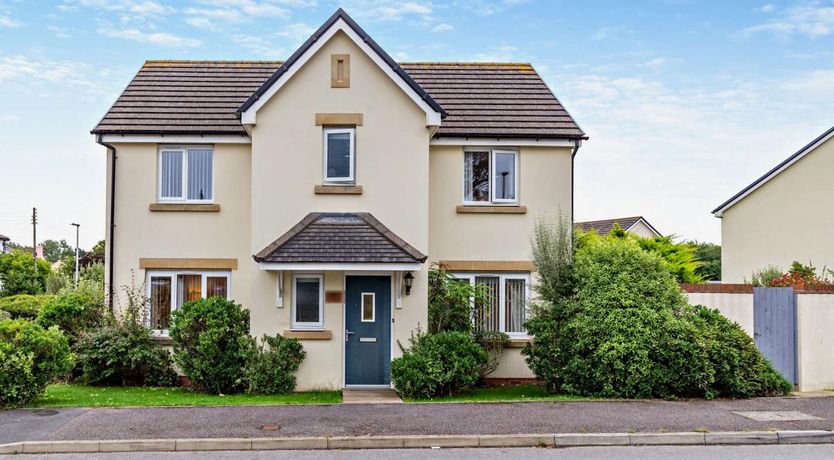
(123, 355)
(35, 355)
(627, 331)
(73, 312)
(16, 273)
(272, 366)
(24, 305)
(437, 365)
(212, 344)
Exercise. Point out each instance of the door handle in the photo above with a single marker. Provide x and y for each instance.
(348, 334)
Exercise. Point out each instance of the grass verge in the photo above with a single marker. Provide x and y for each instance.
(62, 395)
(502, 394)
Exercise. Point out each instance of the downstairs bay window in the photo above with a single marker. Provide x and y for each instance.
(168, 290)
(506, 307)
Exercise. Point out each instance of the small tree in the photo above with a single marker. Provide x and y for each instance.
(19, 276)
(451, 302)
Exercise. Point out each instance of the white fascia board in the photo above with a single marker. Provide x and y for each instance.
(319, 267)
(648, 225)
(499, 142)
(175, 139)
(433, 118)
(720, 211)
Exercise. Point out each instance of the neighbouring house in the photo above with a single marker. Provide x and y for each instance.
(636, 224)
(783, 216)
(3, 240)
(318, 192)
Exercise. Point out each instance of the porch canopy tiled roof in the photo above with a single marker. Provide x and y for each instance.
(340, 238)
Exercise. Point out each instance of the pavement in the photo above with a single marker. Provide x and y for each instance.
(644, 416)
(809, 452)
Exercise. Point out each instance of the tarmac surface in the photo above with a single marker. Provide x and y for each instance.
(409, 419)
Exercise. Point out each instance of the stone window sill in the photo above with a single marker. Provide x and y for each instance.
(338, 190)
(519, 342)
(184, 207)
(462, 209)
(308, 335)
(162, 340)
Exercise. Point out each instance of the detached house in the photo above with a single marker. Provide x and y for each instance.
(318, 191)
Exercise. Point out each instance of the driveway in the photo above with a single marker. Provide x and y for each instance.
(411, 419)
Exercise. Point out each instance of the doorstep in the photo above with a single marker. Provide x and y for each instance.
(375, 396)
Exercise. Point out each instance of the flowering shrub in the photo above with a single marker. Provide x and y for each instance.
(801, 277)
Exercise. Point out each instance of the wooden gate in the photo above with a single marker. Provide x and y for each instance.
(774, 328)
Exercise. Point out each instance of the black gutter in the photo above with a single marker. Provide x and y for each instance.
(112, 229)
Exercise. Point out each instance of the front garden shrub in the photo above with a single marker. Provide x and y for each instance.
(24, 306)
(627, 331)
(16, 273)
(272, 366)
(437, 364)
(35, 355)
(74, 312)
(123, 355)
(451, 301)
(212, 344)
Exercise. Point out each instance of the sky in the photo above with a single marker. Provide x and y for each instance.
(685, 102)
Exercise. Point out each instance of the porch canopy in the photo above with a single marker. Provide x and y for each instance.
(340, 241)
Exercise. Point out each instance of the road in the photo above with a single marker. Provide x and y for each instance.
(410, 419)
(780, 452)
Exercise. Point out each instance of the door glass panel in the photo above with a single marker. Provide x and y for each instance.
(189, 288)
(217, 286)
(368, 307)
(504, 179)
(476, 176)
(160, 302)
(486, 313)
(307, 300)
(338, 155)
(515, 305)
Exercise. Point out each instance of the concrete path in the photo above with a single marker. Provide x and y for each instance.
(410, 419)
(387, 396)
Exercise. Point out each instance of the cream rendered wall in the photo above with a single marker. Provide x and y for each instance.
(815, 342)
(392, 164)
(544, 187)
(736, 307)
(141, 233)
(641, 229)
(788, 218)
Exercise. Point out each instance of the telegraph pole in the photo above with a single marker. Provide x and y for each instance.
(77, 227)
(35, 240)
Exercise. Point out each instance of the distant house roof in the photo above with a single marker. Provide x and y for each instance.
(340, 238)
(4, 238)
(603, 227)
(480, 100)
(717, 212)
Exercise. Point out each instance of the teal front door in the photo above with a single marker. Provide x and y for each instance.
(368, 330)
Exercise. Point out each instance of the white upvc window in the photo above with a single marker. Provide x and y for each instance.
(507, 306)
(186, 174)
(339, 155)
(490, 176)
(169, 289)
(307, 302)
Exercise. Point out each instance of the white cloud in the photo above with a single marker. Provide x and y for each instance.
(766, 8)
(443, 27)
(386, 10)
(256, 44)
(200, 22)
(297, 32)
(157, 38)
(6, 21)
(134, 7)
(501, 53)
(240, 10)
(8, 117)
(809, 20)
(606, 32)
(59, 32)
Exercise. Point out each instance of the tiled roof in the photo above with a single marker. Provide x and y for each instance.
(339, 238)
(494, 100)
(603, 227)
(202, 97)
(4, 238)
(186, 97)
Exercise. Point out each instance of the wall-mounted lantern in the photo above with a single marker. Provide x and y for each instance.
(408, 278)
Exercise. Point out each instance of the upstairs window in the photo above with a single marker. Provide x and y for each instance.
(490, 176)
(186, 174)
(339, 154)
